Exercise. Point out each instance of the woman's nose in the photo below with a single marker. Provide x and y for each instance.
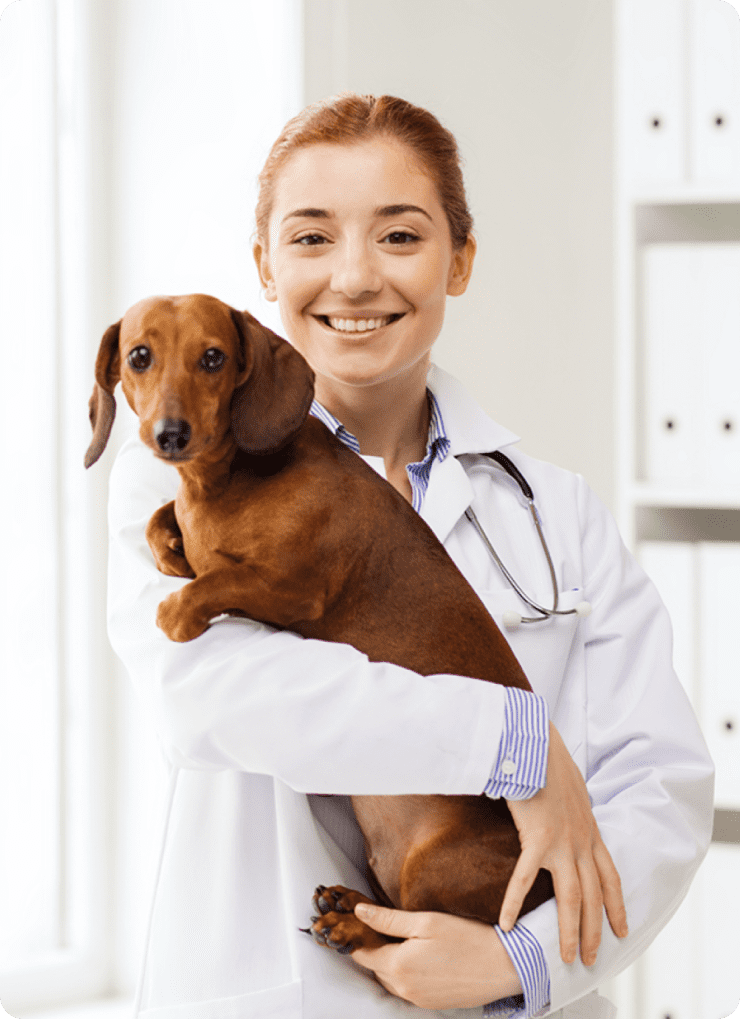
(355, 272)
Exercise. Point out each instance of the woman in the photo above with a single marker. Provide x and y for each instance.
(362, 232)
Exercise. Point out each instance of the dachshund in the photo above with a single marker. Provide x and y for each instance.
(277, 520)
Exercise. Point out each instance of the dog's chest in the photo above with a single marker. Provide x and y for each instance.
(242, 524)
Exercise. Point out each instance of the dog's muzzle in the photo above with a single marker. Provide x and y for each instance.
(172, 436)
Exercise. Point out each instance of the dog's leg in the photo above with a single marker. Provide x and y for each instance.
(165, 540)
(187, 613)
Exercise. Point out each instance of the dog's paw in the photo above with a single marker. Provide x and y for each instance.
(170, 559)
(178, 624)
(336, 926)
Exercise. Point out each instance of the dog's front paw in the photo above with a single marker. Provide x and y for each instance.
(177, 623)
(170, 559)
(337, 926)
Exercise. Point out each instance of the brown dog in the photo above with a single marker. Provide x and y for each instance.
(277, 520)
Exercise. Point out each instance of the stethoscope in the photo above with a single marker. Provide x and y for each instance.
(513, 619)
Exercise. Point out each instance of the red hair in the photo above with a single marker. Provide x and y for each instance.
(349, 118)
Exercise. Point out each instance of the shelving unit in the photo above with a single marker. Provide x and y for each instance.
(678, 183)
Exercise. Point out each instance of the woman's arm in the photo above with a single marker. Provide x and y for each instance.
(319, 716)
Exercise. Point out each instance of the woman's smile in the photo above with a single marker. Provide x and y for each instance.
(365, 323)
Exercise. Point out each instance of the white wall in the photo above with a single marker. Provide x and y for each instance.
(526, 89)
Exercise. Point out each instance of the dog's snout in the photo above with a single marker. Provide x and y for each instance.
(172, 435)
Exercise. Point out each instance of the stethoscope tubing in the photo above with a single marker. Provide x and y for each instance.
(582, 609)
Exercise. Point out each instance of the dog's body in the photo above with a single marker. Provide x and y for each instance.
(277, 520)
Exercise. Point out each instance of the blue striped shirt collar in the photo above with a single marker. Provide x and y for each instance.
(438, 445)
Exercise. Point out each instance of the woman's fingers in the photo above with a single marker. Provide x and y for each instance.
(558, 832)
(521, 880)
(612, 890)
(569, 899)
(592, 910)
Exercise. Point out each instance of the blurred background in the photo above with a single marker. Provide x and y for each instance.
(601, 141)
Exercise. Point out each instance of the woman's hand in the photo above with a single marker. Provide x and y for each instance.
(447, 962)
(558, 832)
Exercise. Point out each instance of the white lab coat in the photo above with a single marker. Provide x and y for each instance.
(252, 720)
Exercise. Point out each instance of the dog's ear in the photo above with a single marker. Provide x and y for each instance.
(102, 401)
(269, 407)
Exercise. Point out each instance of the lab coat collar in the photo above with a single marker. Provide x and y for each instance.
(470, 430)
(468, 427)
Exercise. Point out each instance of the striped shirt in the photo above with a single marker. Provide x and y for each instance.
(520, 766)
(438, 446)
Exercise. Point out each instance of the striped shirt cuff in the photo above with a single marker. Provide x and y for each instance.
(520, 769)
(526, 954)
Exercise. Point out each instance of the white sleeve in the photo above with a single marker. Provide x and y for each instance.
(649, 774)
(243, 696)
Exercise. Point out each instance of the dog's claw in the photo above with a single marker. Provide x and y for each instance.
(306, 930)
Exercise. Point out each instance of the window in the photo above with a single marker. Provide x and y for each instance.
(52, 873)
(86, 227)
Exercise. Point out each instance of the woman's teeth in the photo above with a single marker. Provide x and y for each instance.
(359, 325)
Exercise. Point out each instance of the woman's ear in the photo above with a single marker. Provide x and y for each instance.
(462, 267)
(263, 268)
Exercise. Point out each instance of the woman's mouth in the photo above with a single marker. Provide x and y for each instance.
(358, 325)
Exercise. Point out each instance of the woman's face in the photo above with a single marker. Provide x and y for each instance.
(360, 260)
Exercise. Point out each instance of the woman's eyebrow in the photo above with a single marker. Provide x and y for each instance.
(398, 210)
(310, 213)
(385, 212)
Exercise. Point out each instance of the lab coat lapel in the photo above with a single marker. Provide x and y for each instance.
(448, 496)
(469, 430)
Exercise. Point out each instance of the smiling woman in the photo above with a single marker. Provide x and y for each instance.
(363, 233)
(359, 254)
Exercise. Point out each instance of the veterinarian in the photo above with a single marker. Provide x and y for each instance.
(363, 231)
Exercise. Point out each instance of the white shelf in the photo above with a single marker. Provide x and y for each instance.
(690, 498)
(685, 194)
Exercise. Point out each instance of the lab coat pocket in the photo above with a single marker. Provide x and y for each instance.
(544, 648)
(283, 1002)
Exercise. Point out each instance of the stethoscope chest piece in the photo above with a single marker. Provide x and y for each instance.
(512, 620)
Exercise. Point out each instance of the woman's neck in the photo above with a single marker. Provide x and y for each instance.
(389, 420)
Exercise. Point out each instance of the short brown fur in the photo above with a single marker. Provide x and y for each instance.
(277, 520)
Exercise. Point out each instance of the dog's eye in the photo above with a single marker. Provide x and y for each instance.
(213, 359)
(140, 358)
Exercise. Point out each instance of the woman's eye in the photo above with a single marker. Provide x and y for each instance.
(213, 359)
(401, 237)
(140, 358)
(311, 239)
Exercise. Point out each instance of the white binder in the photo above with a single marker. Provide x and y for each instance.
(718, 890)
(714, 32)
(654, 90)
(719, 331)
(719, 599)
(691, 969)
(671, 337)
(691, 336)
(669, 967)
(673, 568)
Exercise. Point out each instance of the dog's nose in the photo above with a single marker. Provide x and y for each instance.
(172, 436)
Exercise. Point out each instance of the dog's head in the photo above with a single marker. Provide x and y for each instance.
(193, 369)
